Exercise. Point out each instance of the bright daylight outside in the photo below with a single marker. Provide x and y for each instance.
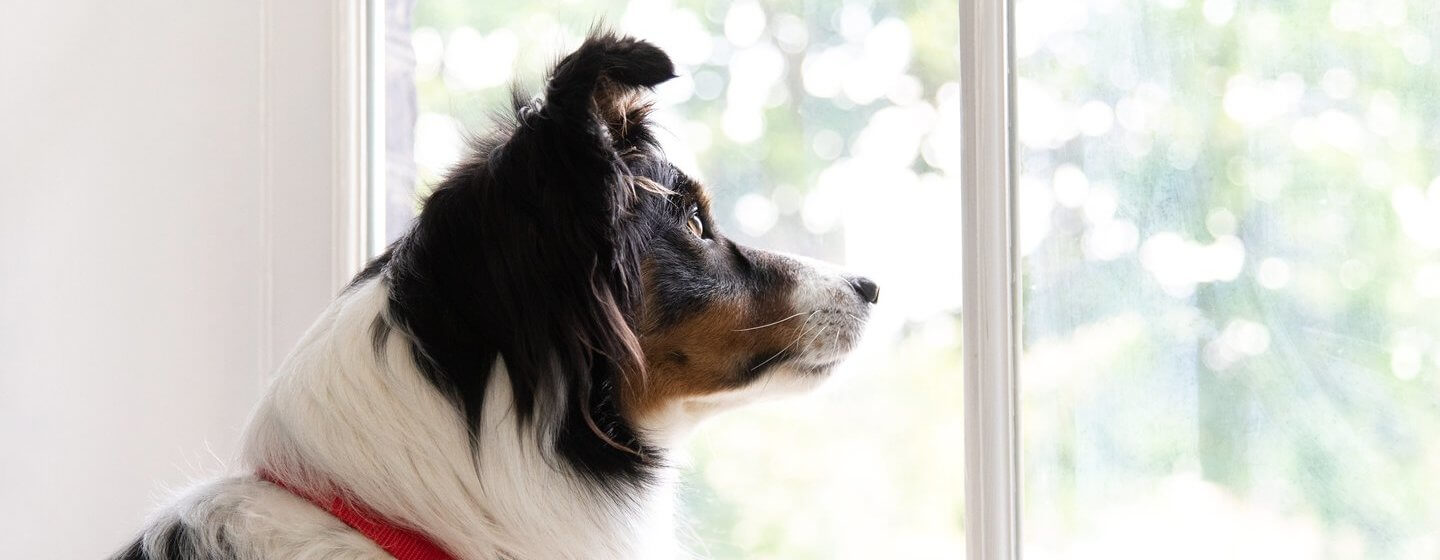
(1230, 216)
(827, 129)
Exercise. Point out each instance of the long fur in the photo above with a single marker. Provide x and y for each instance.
(508, 377)
(397, 444)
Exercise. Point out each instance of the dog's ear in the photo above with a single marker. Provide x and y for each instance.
(600, 82)
(525, 253)
(569, 149)
(566, 169)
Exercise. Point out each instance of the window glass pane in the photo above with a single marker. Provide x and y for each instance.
(825, 129)
(1229, 216)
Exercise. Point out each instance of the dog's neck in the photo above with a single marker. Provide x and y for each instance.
(343, 418)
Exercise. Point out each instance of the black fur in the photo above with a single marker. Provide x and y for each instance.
(529, 251)
(135, 551)
(540, 250)
(532, 250)
(176, 541)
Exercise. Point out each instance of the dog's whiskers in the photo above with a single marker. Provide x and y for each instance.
(819, 333)
(771, 324)
(808, 327)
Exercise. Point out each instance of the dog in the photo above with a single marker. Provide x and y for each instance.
(509, 378)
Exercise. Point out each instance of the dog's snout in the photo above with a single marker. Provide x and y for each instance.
(867, 288)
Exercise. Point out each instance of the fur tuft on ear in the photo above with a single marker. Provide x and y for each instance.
(604, 66)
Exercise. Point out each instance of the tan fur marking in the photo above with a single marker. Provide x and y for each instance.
(620, 108)
(707, 352)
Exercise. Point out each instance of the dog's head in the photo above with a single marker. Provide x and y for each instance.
(570, 248)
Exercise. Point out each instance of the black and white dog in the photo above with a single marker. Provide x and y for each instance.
(508, 379)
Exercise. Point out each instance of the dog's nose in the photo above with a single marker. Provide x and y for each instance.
(867, 288)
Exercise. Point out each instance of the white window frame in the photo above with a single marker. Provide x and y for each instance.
(317, 177)
(991, 291)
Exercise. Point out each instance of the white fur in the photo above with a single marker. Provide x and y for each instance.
(820, 285)
(256, 520)
(338, 417)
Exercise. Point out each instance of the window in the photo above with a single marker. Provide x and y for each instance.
(1211, 226)
(825, 129)
(1229, 215)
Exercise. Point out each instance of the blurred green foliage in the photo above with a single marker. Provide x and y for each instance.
(1283, 404)
(1230, 219)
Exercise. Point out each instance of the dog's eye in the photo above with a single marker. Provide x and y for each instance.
(697, 226)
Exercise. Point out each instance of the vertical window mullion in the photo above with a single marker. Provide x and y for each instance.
(992, 486)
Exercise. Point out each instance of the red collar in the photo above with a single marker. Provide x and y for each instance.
(400, 542)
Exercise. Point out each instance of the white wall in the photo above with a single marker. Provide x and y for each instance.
(167, 194)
